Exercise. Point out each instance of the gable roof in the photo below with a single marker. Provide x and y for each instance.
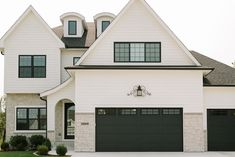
(21, 18)
(222, 75)
(123, 11)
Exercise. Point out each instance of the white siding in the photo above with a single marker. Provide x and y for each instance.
(80, 29)
(67, 60)
(137, 24)
(99, 23)
(218, 98)
(31, 38)
(66, 93)
(109, 88)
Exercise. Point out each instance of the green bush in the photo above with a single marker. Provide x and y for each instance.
(61, 150)
(5, 146)
(42, 150)
(18, 142)
(35, 141)
(47, 143)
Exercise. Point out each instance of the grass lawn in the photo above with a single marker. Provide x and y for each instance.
(17, 154)
(22, 154)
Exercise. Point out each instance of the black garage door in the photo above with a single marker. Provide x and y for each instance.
(139, 129)
(221, 130)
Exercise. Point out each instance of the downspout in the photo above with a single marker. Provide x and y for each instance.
(46, 112)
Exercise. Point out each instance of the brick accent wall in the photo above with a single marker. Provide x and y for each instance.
(14, 100)
(85, 132)
(193, 132)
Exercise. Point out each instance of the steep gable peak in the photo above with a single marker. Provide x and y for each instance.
(123, 13)
(29, 10)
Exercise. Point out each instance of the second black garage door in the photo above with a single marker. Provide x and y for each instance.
(221, 130)
(139, 129)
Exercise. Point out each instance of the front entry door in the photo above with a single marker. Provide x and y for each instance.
(69, 120)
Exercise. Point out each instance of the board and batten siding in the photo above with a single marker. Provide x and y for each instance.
(137, 25)
(168, 88)
(67, 60)
(31, 38)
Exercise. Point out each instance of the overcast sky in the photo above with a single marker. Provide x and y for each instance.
(206, 26)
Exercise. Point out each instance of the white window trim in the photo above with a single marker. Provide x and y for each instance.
(27, 131)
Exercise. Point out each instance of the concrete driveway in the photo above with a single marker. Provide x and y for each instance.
(153, 154)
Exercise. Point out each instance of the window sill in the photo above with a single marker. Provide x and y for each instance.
(30, 131)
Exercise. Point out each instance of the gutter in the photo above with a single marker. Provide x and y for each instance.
(46, 112)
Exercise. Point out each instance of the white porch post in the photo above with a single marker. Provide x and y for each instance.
(51, 120)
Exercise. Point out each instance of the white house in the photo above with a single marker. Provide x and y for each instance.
(120, 83)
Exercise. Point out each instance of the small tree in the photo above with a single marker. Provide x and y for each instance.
(3, 103)
(2, 118)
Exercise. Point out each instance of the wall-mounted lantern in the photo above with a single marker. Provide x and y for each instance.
(139, 91)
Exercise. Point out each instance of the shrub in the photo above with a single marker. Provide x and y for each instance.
(61, 150)
(5, 146)
(42, 150)
(47, 143)
(19, 142)
(36, 140)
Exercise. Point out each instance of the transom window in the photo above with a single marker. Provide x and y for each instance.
(105, 24)
(137, 52)
(75, 60)
(72, 27)
(32, 66)
(31, 119)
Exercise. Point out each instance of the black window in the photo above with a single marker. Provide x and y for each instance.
(106, 111)
(75, 60)
(105, 24)
(128, 111)
(69, 121)
(31, 119)
(32, 66)
(171, 111)
(150, 111)
(72, 27)
(137, 52)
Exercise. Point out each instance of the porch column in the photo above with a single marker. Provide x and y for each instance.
(51, 120)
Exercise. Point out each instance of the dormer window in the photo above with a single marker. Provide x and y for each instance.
(102, 21)
(105, 24)
(72, 25)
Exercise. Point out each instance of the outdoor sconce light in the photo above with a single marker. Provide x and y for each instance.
(139, 91)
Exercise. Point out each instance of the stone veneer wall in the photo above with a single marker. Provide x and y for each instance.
(14, 100)
(193, 132)
(59, 121)
(85, 132)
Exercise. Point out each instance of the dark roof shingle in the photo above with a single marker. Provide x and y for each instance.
(84, 42)
(222, 75)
